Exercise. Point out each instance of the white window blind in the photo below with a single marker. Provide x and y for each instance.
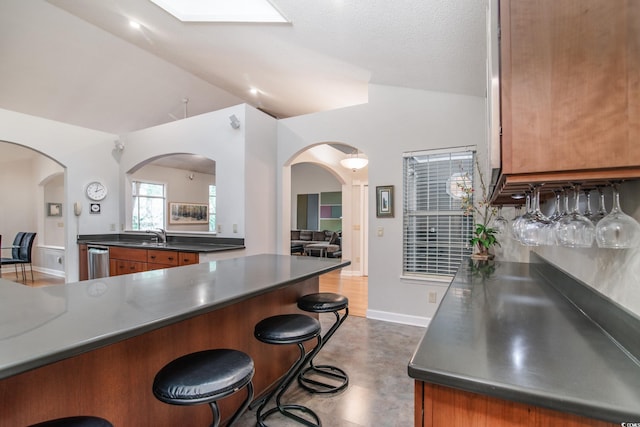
(436, 231)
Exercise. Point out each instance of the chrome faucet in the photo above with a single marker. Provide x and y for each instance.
(160, 233)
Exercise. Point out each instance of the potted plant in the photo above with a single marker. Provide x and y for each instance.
(484, 236)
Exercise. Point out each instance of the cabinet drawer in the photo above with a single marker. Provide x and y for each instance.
(127, 267)
(128, 254)
(168, 258)
(188, 258)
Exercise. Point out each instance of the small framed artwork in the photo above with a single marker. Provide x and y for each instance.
(54, 209)
(188, 213)
(384, 201)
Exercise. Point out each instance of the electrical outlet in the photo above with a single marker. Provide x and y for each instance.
(235, 228)
(112, 227)
(432, 297)
(380, 231)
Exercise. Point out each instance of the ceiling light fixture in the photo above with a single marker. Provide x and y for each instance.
(134, 24)
(354, 161)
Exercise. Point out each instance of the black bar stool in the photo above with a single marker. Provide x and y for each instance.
(79, 421)
(289, 329)
(324, 302)
(206, 377)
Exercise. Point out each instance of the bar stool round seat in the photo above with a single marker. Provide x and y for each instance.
(206, 377)
(78, 421)
(289, 329)
(324, 378)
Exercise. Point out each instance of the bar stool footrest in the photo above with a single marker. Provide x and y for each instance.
(286, 411)
(338, 379)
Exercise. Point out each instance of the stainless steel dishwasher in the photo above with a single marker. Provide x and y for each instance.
(98, 261)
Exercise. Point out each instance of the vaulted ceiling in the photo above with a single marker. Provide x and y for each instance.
(80, 62)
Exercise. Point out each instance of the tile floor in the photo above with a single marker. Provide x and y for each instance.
(375, 354)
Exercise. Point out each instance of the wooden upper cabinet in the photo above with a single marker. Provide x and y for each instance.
(570, 90)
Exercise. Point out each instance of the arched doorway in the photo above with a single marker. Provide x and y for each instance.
(353, 185)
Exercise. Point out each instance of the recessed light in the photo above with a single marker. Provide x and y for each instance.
(222, 10)
(253, 91)
(134, 24)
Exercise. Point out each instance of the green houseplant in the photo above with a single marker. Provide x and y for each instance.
(484, 236)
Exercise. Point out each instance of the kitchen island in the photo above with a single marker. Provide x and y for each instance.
(93, 347)
(516, 344)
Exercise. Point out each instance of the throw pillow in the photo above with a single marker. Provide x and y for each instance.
(295, 234)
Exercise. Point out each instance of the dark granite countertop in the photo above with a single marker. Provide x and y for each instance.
(42, 325)
(173, 243)
(507, 332)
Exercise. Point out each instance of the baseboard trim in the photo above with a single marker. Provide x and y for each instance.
(50, 271)
(405, 319)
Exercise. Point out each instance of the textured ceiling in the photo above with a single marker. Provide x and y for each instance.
(79, 61)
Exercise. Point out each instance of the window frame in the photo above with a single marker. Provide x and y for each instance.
(134, 195)
(426, 256)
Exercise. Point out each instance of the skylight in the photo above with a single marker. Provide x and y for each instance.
(222, 10)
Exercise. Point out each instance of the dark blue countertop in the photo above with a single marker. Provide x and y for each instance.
(505, 331)
(42, 325)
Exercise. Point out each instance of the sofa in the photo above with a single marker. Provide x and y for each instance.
(316, 243)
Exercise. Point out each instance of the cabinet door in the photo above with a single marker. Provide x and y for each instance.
(167, 258)
(188, 258)
(83, 262)
(570, 85)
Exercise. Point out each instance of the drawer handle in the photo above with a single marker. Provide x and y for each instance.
(152, 257)
(170, 258)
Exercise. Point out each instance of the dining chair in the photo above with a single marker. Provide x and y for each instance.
(15, 253)
(24, 256)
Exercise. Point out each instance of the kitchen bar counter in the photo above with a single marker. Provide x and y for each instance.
(173, 243)
(94, 346)
(504, 331)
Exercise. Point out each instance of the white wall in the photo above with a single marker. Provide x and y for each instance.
(86, 155)
(394, 121)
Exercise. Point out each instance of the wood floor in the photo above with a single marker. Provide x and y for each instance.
(354, 288)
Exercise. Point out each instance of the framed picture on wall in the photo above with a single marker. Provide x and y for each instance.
(384, 201)
(188, 213)
(54, 209)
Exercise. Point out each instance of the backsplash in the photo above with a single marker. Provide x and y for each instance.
(614, 273)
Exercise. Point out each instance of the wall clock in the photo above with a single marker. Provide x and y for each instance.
(96, 191)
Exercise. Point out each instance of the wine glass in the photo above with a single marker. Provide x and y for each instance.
(575, 230)
(617, 230)
(587, 209)
(602, 211)
(517, 222)
(500, 223)
(535, 229)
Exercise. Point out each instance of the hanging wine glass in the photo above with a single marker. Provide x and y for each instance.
(500, 223)
(602, 211)
(564, 212)
(535, 229)
(557, 212)
(517, 223)
(587, 208)
(574, 230)
(617, 230)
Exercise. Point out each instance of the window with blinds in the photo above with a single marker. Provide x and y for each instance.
(436, 231)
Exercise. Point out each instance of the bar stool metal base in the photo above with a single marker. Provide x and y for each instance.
(289, 329)
(324, 379)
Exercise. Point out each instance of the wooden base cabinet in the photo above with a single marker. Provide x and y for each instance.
(438, 406)
(128, 260)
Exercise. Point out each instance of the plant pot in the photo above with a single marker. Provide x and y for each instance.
(482, 256)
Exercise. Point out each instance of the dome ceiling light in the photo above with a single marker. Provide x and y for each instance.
(354, 161)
